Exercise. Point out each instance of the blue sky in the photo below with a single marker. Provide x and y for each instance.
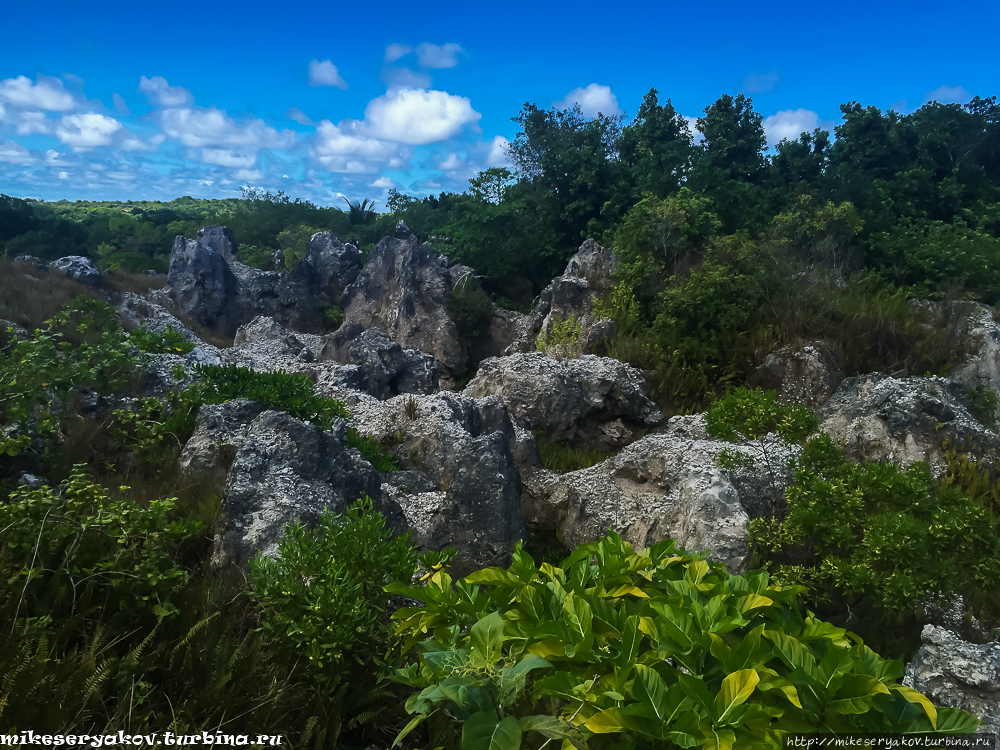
(155, 100)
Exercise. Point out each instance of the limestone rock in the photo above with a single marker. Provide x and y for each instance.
(320, 277)
(219, 433)
(202, 283)
(663, 486)
(264, 344)
(807, 374)
(385, 368)
(402, 290)
(981, 367)
(78, 268)
(286, 471)
(903, 420)
(135, 311)
(590, 400)
(962, 675)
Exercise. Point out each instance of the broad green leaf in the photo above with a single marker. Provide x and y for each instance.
(736, 689)
(527, 663)
(577, 615)
(496, 576)
(608, 720)
(554, 728)
(753, 601)
(696, 571)
(630, 641)
(792, 651)
(482, 731)
(548, 647)
(771, 680)
(628, 589)
(955, 721)
(854, 696)
(486, 639)
(913, 696)
(559, 685)
(410, 726)
(650, 688)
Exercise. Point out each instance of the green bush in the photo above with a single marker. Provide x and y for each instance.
(562, 340)
(618, 648)
(471, 310)
(747, 414)
(169, 341)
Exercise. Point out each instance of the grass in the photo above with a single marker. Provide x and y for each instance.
(562, 458)
(29, 298)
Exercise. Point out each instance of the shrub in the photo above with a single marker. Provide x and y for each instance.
(323, 594)
(616, 647)
(471, 310)
(168, 341)
(562, 340)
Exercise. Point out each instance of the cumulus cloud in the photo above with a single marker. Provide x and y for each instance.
(438, 55)
(249, 175)
(46, 93)
(120, 104)
(948, 95)
(348, 149)
(297, 115)
(133, 143)
(324, 73)
(395, 51)
(84, 132)
(497, 156)
(226, 158)
(30, 122)
(592, 100)
(383, 182)
(161, 93)
(15, 153)
(759, 84)
(789, 123)
(54, 159)
(451, 163)
(417, 116)
(213, 128)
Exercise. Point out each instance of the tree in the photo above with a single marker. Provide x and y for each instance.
(656, 147)
(361, 212)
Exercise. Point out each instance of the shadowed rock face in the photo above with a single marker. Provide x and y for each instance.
(962, 675)
(386, 369)
(209, 284)
(402, 290)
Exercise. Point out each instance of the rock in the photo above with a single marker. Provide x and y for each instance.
(320, 277)
(219, 433)
(202, 283)
(904, 420)
(31, 264)
(981, 366)
(385, 368)
(462, 447)
(264, 344)
(662, 486)
(592, 401)
(572, 295)
(78, 268)
(804, 374)
(286, 471)
(951, 672)
(135, 311)
(32, 481)
(402, 290)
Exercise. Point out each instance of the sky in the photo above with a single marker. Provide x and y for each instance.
(327, 101)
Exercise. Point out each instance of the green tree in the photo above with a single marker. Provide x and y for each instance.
(656, 147)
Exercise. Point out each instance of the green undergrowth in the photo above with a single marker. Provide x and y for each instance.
(561, 457)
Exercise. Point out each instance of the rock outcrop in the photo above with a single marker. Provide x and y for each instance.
(587, 401)
(201, 279)
(317, 282)
(219, 433)
(981, 368)
(572, 295)
(903, 420)
(807, 374)
(403, 290)
(951, 672)
(385, 369)
(78, 268)
(663, 486)
(285, 471)
(461, 485)
(264, 344)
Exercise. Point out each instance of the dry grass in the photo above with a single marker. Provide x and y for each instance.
(29, 299)
(137, 283)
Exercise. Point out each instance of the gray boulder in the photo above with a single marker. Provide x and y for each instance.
(264, 344)
(329, 266)
(572, 295)
(136, 311)
(804, 374)
(951, 672)
(201, 280)
(904, 420)
(468, 493)
(78, 268)
(287, 470)
(662, 486)
(980, 368)
(219, 433)
(402, 290)
(385, 368)
(593, 401)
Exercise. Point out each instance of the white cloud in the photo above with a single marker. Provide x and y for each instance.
(948, 95)
(451, 163)
(438, 56)
(383, 182)
(84, 132)
(692, 123)
(789, 123)
(15, 153)
(163, 94)
(226, 158)
(348, 149)
(324, 73)
(497, 156)
(54, 159)
(46, 93)
(120, 104)
(592, 100)
(395, 51)
(416, 116)
(249, 175)
(404, 78)
(213, 128)
(64, 175)
(134, 143)
(297, 115)
(759, 84)
(31, 122)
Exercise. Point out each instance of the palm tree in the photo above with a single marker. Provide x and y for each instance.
(361, 212)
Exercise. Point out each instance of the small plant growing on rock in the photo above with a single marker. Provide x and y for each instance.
(168, 341)
(562, 340)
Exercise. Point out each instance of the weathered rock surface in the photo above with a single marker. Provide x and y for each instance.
(589, 400)
(903, 420)
(471, 495)
(981, 369)
(286, 471)
(385, 368)
(962, 675)
(663, 486)
(572, 295)
(402, 290)
(264, 344)
(135, 311)
(806, 374)
(78, 268)
(209, 283)
(219, 433)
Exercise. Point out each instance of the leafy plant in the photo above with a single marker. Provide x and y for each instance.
(562, 340)
(616, 647)
(561, 457)
(167, 341)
